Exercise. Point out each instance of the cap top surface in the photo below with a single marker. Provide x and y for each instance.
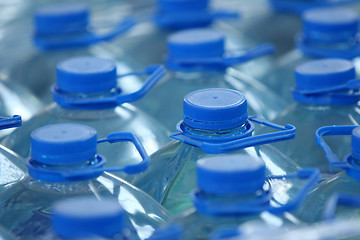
(87, 65)
(215, 98)
(60, 133)
(325, 66)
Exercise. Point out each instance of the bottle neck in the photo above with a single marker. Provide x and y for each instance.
(65, 172)
(214, 133)
(234, 204)
(69, 99)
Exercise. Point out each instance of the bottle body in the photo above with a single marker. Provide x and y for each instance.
(40, 81)
(26, 207)
(172, 185)
(198, 223)
(263, 26)
(124, 118)
(164, 101)
(280, 78)
(12, 169)
(16, 100)
(308, 118)
(313, 207)
(145, 47)
(200, 227)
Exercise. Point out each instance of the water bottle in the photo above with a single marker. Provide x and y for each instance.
(275, 21)
(64, 163)
(12, 168)
(259, 23)
(343, 182)
(197, 59)
(339, 229)
(299, 6)
(89, 218)
(325, 94)
(86, 92)
(61, 31)
(234, 190)
(147, 43)
(326, 33)
(215, 122)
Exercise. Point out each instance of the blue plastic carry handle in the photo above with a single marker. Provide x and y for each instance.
(129, 169)
(155, 72)
(84, 39)
(14, 121)
(331, 131)
(245, 140)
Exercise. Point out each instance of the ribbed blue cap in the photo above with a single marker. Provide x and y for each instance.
(330, 24)
(61, 18)
(215, 108)
(355, 143)
(230, 174)
(323, 73)
(196, 43)
(86, 75)
(63, 144)
(85, 217)
(182, 5)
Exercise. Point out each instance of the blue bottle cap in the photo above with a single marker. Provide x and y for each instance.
(61, 18)
(230, 174)
(84, 217)
(86, 75)
(323, 73)
(355, 143)
(330, 24)
(63, 144)
(182, 5)
(195, 44)
(215, 108)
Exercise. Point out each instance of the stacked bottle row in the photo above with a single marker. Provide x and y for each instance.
(177, 120)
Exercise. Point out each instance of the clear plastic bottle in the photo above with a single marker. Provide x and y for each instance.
(298, 6)
(147, 42)
(61, 31)
(347, 182)
(325, 94)
(86, 93)
(339, 229)
(326, 33)
(234, 190)
(215, 122)
(12, 168)
(197, 59)
(275, 21)
(64, 163)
